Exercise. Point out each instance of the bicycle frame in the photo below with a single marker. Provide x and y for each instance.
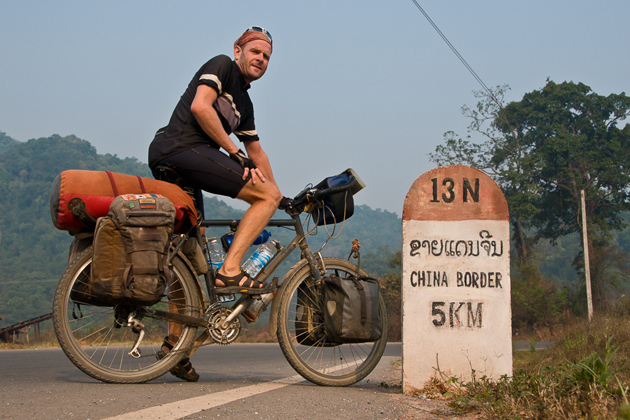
(241, 304)
(285, 251)
(306, 196)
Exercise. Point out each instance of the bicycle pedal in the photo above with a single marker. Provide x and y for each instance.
(226, 298)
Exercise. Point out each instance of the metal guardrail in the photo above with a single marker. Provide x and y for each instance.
(7, 331)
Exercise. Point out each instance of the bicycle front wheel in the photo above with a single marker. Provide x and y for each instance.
(98, 340)
(306, 347)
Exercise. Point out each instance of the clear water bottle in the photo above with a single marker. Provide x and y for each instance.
(259, 258)
(216, 254)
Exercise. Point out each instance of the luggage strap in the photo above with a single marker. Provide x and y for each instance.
(79, 212)
(115, 189)
(360, 288)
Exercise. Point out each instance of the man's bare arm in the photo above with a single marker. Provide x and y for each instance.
(209, 121)
(208, 118)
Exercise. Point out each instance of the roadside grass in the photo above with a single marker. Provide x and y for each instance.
(585, 375)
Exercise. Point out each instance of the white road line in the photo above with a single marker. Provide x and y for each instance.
(179, 409)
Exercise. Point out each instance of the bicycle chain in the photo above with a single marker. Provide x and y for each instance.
(180, 350)
(217, 306)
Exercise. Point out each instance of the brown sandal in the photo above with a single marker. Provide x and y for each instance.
(183, 369)
(232, 285)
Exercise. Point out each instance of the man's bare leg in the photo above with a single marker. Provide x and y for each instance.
(264, 198)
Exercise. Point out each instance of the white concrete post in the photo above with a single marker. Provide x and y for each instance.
(587, 260)
(456, 278)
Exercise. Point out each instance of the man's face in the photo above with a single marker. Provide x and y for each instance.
(253, 58)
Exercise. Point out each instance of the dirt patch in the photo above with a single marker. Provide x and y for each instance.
(428, 404)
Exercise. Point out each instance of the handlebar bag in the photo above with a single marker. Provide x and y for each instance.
(351, 309)
(130, 253)
(77, 196)
(334, 208)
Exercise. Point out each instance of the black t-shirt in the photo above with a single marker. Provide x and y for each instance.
(233, 105)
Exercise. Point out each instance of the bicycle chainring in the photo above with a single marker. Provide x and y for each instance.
(223, 334)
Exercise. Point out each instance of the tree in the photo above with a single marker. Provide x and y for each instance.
(391, 290)
(505, 155)
(542, 151)
(578, 146)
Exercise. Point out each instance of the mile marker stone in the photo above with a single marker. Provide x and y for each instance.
(456, 278)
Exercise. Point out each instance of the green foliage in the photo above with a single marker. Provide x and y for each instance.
(578, 145)
(596, 368)
(391, 290)
(374, 228)
(33, 254)
(536, 301)
(6, 142)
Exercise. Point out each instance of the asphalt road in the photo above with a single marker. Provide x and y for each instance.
(244, 381)
(240, 381)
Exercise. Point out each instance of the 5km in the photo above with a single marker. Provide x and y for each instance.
(448, 196)
(472, 315)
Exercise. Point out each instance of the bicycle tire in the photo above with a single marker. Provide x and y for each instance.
(324, 363)
(90, 339)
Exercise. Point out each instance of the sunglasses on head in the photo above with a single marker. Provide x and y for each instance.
(260, 29)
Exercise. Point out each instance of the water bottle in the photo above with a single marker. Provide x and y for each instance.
(216, 254)
(258, 306)
(227, 239)
(259, 258)
(263, 237)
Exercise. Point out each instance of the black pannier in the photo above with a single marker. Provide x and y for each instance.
(351, 309)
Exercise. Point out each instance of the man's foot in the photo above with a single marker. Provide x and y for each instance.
(241, 283)
(183, 369)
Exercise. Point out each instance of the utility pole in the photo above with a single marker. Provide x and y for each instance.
(587, 266)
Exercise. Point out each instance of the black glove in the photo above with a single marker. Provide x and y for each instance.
(242, 160)
(285, 203)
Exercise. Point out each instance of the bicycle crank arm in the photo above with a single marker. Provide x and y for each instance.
(198, 343)
(176, 318)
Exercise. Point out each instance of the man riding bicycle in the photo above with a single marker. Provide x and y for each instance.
(214, 105)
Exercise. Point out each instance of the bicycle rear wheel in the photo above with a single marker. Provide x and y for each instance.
(318, 359)
(97, 339)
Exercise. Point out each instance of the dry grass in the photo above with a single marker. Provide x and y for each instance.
(585, 376)
(47, 339)
(255, 333)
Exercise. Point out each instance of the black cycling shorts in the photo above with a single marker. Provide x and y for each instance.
(209, 169)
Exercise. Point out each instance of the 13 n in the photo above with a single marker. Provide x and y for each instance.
(447, 189)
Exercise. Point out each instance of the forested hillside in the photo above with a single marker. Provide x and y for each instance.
(33, 254)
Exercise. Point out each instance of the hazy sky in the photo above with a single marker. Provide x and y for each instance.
(363, 84)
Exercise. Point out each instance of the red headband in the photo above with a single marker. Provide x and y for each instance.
(252, 36)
